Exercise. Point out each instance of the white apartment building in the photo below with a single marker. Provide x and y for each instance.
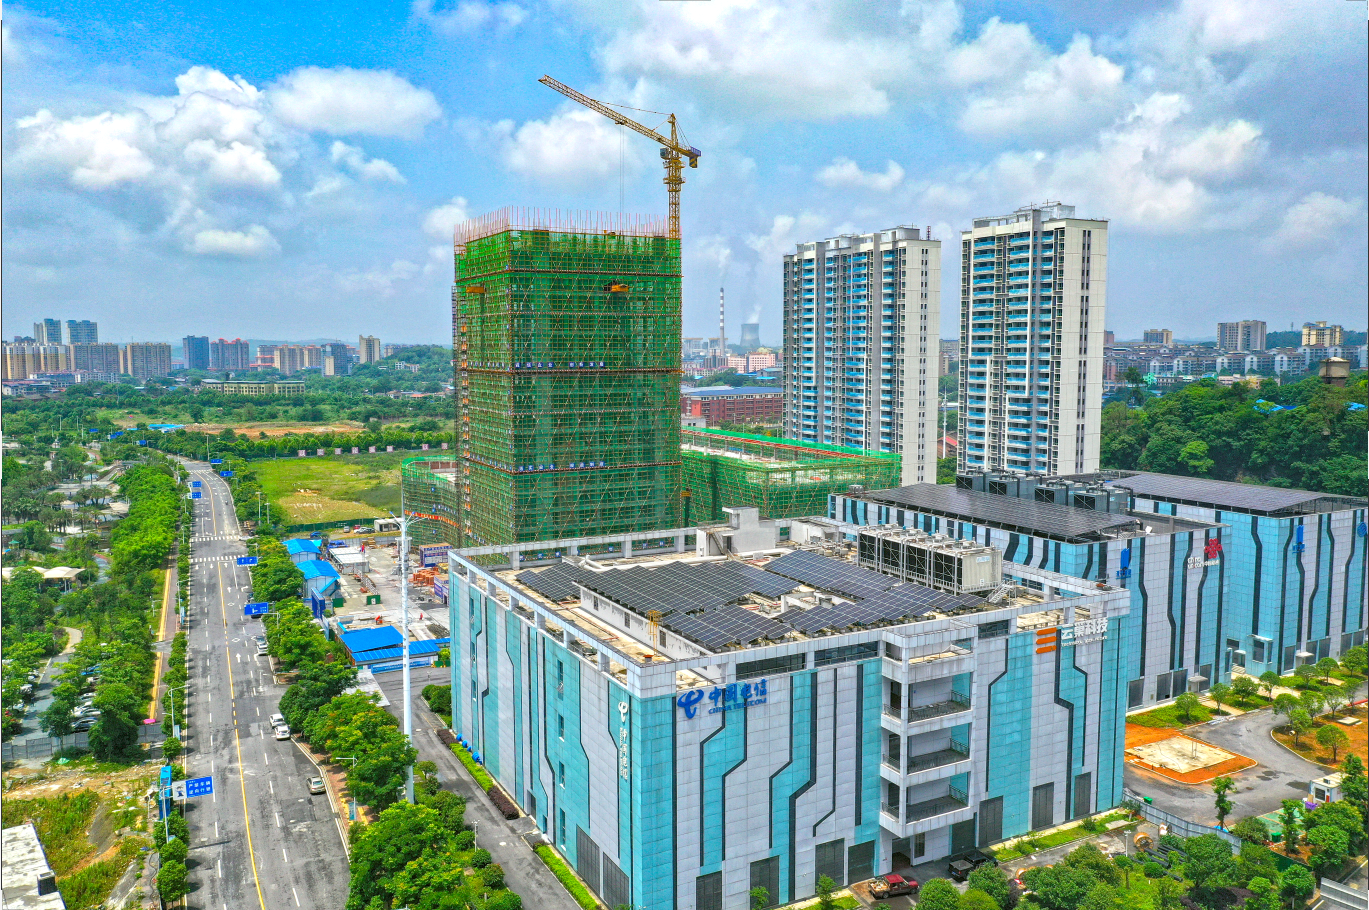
(1033, 293)
(862, 320)
(368, 346)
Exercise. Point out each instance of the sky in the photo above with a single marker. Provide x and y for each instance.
(295, 170)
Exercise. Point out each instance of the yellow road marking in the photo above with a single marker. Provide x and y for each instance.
(242, 776)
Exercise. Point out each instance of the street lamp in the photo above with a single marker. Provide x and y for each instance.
(173, 702)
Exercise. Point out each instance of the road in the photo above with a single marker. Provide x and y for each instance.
(261, 840)
(524, 871)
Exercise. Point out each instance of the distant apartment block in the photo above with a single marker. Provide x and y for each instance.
(693, 348)
(368, 347)
(144, 360)
(337, 359)
(99, 358)
(291, 358)
(1033, 301)
(23, 361)
(229, 355)
(82, 331)
(47, 331)
(195, 352)
(1158, 336)
(1243, 336)
(257, 388)
(1109, 337)
(862, 319)
(724, 404)
(1316, 334)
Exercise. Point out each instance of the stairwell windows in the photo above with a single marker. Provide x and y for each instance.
(561, 727)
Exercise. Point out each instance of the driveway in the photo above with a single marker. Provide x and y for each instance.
(524, 871)
(1279, 775)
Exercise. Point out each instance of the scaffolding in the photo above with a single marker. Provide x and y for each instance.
(784, 478)
(566, 341)
(429, 484)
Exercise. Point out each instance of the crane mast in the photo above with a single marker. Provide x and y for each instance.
(673, 149)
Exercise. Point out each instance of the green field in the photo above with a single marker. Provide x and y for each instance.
(334, 487)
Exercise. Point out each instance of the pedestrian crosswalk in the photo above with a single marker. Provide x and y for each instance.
(204, 559)
(195, 537)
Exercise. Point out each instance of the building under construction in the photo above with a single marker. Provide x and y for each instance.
(784, 478)
(566, 341)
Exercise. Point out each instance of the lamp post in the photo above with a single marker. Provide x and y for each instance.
(404, 606)
(173, 702)
(351, 801)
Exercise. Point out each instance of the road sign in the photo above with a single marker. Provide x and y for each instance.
(195, 483)
(195, 494)
(166, 775)
(225, 473)
(247, 560)
(256, 609)
(198, 786)
(216, 461)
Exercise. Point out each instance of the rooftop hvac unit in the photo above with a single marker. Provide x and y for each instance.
(971, 480)
(955, 566)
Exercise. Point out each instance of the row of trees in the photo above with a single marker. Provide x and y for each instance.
(1208, 430)
(229, 444)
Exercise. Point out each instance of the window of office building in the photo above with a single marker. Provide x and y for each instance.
(708, 891)
(830, 860)
(1043, 806)
(765, 873)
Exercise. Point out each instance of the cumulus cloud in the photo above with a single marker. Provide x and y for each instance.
(96, 153)
(252, 242)
(1315, 219)
(355, 160)
(843, 172)
(574, 146)
(235, 163)
(378, 281)
(469, 16)
(345, 101)
(440, 222)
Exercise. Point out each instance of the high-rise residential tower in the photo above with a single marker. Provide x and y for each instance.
(195, 351)
(229, 355)
(368, 346)
(1033, 293)
(1246, 335)
(862, 323)
(47, 331)
(566, 337)
(82, 331)
(143, 360)
(1157, 336)
(1313, 334)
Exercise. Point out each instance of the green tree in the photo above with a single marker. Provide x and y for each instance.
(1286, 704)
(1088, 856)
(1344, 815)
(1263, 895)
(1354, 785)
(115, 735)
(1219, 693)
(1058, 887)
(1256, 861)
(1210, 867)
(1168, 894)
(760, 898)
(1333, 738)
(171, 881)
(1326, 666)
(317, 684)
(1269, 680)
(1305, 674)
(398, 836)
(825, 888)
(1100, 897)
(1312, 703)
(1245, 688)
(1290, 820)
(1300, 722)
(992, 881)
(1330, 848)
(33, 536)
(1221, 786)
(1252, 830)
(938, 894)
(1355, 660)
(1297, 883)
(171, 749)
(1187, 703)
(1194, 459)
(1126, 864)
(175, 850)
(977, 900)
(1335, 697)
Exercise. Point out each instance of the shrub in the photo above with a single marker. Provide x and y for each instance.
(175, 851)
(1153, 870)
(503, 803)
(493, 876)
(480, 858)
(504, 900)
(465, 840)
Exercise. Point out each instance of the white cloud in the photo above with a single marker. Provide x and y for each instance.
(469, 16)
(355, 160)
(574, 146)
(346, 101)
(1316, 219)
(254, 241)
(440, 222)
(1218, 151)
(785, 232)
(236, 163)
(9, 47)
(97, 152)
(378, 281)
(843, 172)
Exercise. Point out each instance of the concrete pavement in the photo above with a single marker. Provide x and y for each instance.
(524, 871)
(261, 840)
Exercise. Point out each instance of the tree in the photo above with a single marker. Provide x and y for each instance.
(1210, 866)
(1354, 783)
(1168, 894)
(1326, 666)
(1340, 814)
(1100, 897)
(1194, 458)
(1300, 722)
(171, 749)
(1305, 674)
(425, 774)
(1311, 702)
(992, 881)
(826, 886)
(1333, 738)
(1335, 697)
(937, 894)
(1187, 703)
(33, 536)
(1330, 848)
(1269, 680)
(1263, 895)
(977, 900)
(493, 876)
(1290, 819)
(1256, 861)
(1221, 786)
(1252, 830)
(1057, 887)
(1285, 704)
(1219, 692)
(1244, 688)
(1087, 856)
(397, 837)
(174, 851)
(171, 881)
(1355, 660)
(1126, 864)
(760, 898)
(1297, 882)
(115, 735)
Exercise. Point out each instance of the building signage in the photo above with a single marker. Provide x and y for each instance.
(1084, 631)
(623, 763)
(724, 698)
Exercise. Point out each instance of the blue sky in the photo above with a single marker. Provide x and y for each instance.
(294, 170)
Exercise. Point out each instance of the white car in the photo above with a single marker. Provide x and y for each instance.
(282, 732)
(278, 720)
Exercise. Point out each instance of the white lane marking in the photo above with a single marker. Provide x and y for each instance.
(216, 830)
(219, 863)
(277, 816)
(272, 786)
(259, 710)
(267, 759)
(286, 858)
(239, 657)
(296, 894)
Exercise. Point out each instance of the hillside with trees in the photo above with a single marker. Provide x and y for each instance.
(1314, 439)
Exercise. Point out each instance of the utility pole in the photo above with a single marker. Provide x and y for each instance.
(404, 605)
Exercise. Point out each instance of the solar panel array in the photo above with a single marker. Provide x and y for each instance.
(902, 602)
(1219, 493)
(828, 574)
(716, 629)
(1059, 522)
(676, 587)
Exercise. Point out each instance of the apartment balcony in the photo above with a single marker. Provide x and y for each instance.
(927, 815)
(926, 718)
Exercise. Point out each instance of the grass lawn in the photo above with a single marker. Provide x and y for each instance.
(1247, 704)
(334, 487)
(1170, 716)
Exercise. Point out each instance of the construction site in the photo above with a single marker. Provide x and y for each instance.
(783, 478)
(566, 335)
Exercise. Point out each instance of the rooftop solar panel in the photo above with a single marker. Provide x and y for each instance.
(1219, 493)
(1058, 522)
(828, 574)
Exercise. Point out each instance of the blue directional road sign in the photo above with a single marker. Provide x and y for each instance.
(216, 461)
(198, 786)
(256, 609)
(225, 473)
(194, 494)
(247, 560)
(195, 483)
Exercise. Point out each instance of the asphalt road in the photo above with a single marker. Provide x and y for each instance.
(524, 871)
(1279, 775)
(261, 840)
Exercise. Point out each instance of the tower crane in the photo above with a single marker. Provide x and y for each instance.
(673, 149)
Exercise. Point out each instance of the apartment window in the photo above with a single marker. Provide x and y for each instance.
(561, 774)
(561, 826)
(560, 726)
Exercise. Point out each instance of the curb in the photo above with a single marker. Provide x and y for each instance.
(328, 788)
(1291, 751)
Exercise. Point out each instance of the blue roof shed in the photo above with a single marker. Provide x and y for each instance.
(362, 640)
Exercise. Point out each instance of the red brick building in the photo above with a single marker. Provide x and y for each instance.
(745, 404)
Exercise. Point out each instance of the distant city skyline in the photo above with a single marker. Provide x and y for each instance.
(209, 179)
